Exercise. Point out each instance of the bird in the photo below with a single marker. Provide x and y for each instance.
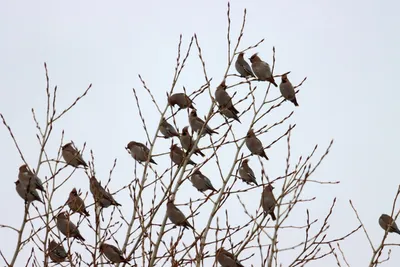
(76, 204)
(100, 195)
(254, 144)
(261, 69)
(167, 129)
(68, 228)
(187, 142)
(227, 259)
(178, 156)
(228, 113)
(387, 223)
(176, 216)
(27, 195)
(27, 177)
(196, 123)
(268, 201)
(287, 90)
(56, 252)
(223, 98)
(112, 253)
(243, 67)
(180, 99)
(201, 182)
(72, 156)
(139, 152)
(246, 173)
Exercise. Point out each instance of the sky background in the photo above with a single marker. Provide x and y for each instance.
(347, 49)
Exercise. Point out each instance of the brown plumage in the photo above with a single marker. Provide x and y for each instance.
(196, 123)
(246, 173)
(27, 177)
(268, 201)
(167, 129)
(139, 152)
(176, 216)
(100, 195)
(27, 195)
(178, 156)
(180, 99)
(187, 142)
(227, 259)
(201, 182)
(387, 223)
(223, 98)
(228, 113)
(287, 90)
(76, 204)
(67, 227)
(243, 67)
(112, 253)
(56, 252)
(72, 156)
(261, 69)
(254, 144)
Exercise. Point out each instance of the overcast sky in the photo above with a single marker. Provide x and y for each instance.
(349, 50)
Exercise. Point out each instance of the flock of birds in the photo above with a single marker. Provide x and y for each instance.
(28, 182)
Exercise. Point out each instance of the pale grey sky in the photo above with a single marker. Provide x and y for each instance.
(347, 49)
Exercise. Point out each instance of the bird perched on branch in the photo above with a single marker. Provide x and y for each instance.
(180, 99)
(261, 69)
(227, 259)
(228, 113)
(243, 67)
(387, 223)
(223, 98)
(76, 204)
(68, 228)
(27, 193)
(112, 253)
(287, 90)
(268, 201)
(187, 142)
(176, 216)
(196, 123)
(56, 252)
(72, 156)
(178, 156)
(246, 173)
(167, 129)
(100, 195)
(201, 182)
(139, 152)
(27, 177)
(254, 144)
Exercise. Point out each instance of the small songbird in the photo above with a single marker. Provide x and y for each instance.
(178, 156)
(261, 69)
(72, 156)
(387, 223)
(76, 204)
(187, 142)
(27, 195)
(68, 228)
(176, 216)
(139, 152)
(223, 98)
(254, 144)
(201, 182)
(246, 173)
(100, 195)
(180, 99)
(243, 67)
(227, 259)
(112, 253)
(268, 201)
(287, 90)
(27, 177)
(228, 113)
(196, 123)
(167, 129)
(56, 252)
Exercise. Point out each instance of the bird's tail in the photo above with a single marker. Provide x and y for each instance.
(152, 161)
(198, 152)
(272, 216)
(294, 101)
